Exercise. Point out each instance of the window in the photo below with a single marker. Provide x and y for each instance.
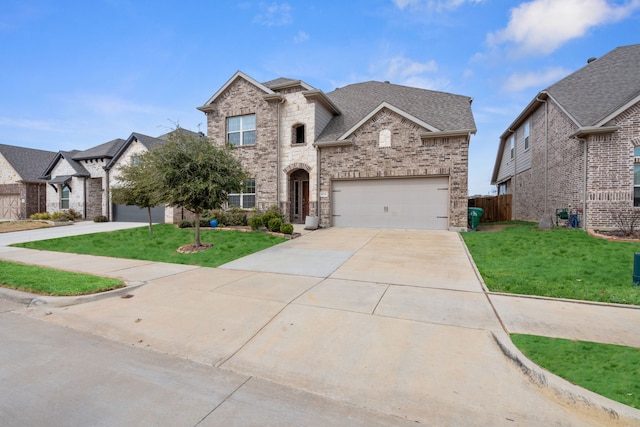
(298, 134)
(511, 146)
(246, 199)
(64, 197)
(526, 135)
(241, 130)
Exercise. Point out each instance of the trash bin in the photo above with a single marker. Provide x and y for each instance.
(473, 216)
(636, 269)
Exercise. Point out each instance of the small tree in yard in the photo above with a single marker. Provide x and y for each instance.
(191, 172)
(136, 187)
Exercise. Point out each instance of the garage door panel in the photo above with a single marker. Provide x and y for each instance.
(124, 213)
(9, 206)
(420, 203)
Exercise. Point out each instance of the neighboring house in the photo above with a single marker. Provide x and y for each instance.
(369, 154)
(22, 193)
(576, 146)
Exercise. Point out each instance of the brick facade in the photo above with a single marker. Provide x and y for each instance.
(556, 176)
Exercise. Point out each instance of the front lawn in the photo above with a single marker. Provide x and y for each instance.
(48, 281)
(161, 246)
(609, 370)
(559, 263)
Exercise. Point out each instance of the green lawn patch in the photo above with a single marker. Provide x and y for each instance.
(48, 281)
(609, 370)
(161, 246)
(559, 263)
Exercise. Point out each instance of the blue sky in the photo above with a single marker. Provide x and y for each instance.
(75, 74)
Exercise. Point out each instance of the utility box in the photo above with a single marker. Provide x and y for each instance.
(473, 217)
(636, 269)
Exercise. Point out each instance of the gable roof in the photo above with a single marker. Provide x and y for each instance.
(436, 111)
(147, 141)
(79, 170)
(285, 83)
(598, 90)
(27, 162)
(237, 75)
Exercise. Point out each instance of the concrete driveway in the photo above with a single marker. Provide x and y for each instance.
(395, 322)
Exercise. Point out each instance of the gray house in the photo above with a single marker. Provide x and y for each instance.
(370, 154)
(22, 192)
(576, 146)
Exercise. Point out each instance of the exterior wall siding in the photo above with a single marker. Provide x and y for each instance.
(408, 155)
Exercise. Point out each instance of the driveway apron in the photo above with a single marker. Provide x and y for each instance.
(394, 321)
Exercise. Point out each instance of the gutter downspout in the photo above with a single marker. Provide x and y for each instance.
(106, 192)
(278, 156)
(84, 189)
(584, 195)
(515, 170)
(318, 198)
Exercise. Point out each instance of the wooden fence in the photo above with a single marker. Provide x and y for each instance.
(495, 208)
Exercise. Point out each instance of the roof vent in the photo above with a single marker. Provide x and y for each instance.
(590, 60)
(386, 81)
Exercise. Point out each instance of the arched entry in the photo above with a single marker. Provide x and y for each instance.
(298, 196)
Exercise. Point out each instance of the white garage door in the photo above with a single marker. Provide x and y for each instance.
(9, 206)
(417, 203)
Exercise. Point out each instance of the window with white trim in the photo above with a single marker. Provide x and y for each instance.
(512, 146)
(241, 130)
(64, 197)
(246, 199)
(526, 135)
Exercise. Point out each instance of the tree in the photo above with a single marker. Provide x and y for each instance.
(191, 172)
(136, 186)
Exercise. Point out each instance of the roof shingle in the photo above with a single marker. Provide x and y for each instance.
(28, 162)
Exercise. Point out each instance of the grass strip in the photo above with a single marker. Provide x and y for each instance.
(609, 370)
(161, 246)
(49, 281)
(558, 263)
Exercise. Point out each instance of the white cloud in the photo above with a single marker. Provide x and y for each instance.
(542, 26)
(404, 71)
(273, 15)
(300, 37)
(519, 81)
(30, 124)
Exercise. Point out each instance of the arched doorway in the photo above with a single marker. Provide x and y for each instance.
(298, 196)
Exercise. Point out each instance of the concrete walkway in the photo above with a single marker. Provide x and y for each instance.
(394, 322)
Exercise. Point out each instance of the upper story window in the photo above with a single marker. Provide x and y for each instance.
(636, 176)
(526, 135)
(241, 130)
(298, 134)
(64, 197)
(512, 146)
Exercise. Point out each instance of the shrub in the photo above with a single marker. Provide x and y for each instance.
(63, 216)
(204, 222)
(236, 216)
(275, 224)
(286, 228)
(185, 223)
(40, 216)
(100, 218)
(256, 222)
(271, 213)
(74, 215)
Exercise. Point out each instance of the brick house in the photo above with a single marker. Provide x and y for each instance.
(576, 146)
(370, 154)
(22, 192)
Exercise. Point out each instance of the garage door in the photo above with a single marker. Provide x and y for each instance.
(9, 206)
(417, 203)
(124, 213)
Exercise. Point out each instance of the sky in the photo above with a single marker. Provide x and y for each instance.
(77, 73)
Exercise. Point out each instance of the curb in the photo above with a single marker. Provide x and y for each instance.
(572, 397)
(30, 300)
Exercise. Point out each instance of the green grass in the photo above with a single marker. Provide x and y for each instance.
(48, 281)
(161, 246)
(559, 263)
(609, 370)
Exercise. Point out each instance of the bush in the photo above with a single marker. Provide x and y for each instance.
(271, 213)
(256, 222)
(286, 228)
(64, 216)
(275, 224)
(204, 222)
(100, 218)
(235, 216)
(42, 216)
(74, 215)
(185, 223)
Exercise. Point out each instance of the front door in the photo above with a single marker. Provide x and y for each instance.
(299, 196)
